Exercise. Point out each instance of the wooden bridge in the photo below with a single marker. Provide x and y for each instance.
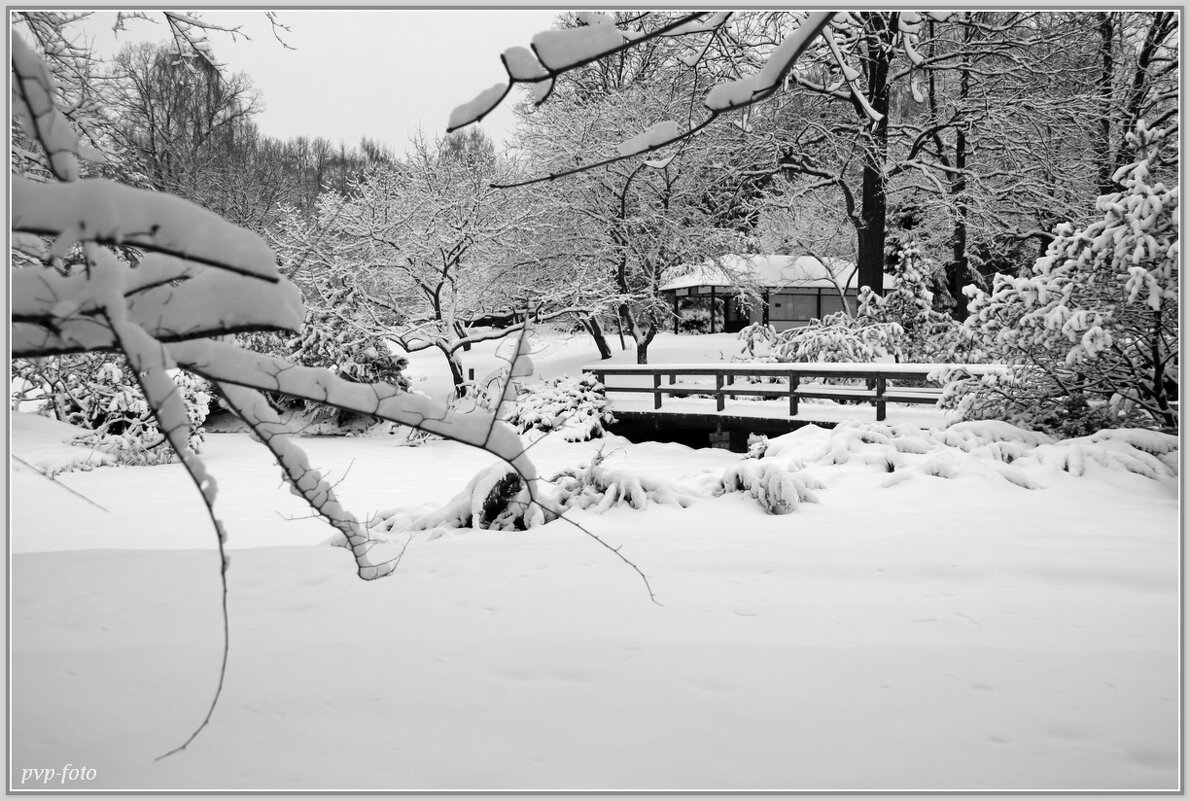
(760, 397)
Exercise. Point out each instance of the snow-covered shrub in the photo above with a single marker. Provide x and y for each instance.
(495, 498)
(695, 316)
(574, 405)
(926, 334)
(599, 486)
(327, 340)
(98, 392)
(758, 445)
(1092, 325)
(971, 435)
(983, 448)
(758, 339)
(351, 354)
(775, 488)
(902, 325)
(1151, 454)
(839, 337)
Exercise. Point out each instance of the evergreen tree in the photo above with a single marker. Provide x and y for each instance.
(1093, 324)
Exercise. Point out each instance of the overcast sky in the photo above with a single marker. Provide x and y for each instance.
(374, 73)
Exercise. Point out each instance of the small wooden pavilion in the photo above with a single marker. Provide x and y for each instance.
(784, 291)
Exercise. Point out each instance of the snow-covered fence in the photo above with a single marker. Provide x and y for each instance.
(798, 381)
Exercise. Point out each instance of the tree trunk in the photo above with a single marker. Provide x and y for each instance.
(591, 323)
(874, 206)
(641, 336)
(1160, 390)
(642, 345)
(871, 234)
(1102, 141)
(958, 271)
(456, 371)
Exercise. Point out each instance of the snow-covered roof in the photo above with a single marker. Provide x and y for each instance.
(768, 272)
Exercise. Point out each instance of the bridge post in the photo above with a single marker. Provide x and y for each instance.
(881, 382)
(793, 383)
(656, 390)
(718, 391)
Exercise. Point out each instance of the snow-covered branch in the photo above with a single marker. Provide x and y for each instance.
(105, 212)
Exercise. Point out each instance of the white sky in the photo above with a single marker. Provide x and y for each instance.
(356, 73)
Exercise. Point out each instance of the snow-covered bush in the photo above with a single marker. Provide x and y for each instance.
(695, 317)
(331, 340)
(926, 335)
(758, 339)
(839, 337)
(574, 405)
(351, 354)
(984, 448)
(497, 498)
(97, 392)
(775, 488)
(1092, 326)
(599, 486)
(902, 325)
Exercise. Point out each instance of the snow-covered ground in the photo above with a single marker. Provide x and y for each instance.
(937, 627)
(566, 354)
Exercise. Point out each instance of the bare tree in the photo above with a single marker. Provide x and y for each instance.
(439, 256)
(641, 222)
(182, 276)
(934, 111)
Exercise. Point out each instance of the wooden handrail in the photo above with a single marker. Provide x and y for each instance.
(876, 377)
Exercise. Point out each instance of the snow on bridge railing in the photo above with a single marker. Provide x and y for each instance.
(876, 378)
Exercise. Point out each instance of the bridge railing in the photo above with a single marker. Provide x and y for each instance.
(798, 381)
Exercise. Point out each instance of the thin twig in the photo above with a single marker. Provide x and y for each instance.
(49, 477)
(605, 544)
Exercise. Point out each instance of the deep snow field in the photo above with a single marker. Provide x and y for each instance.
(966, 621)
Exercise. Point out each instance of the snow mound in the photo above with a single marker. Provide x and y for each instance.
(495, 498)
(979, 433)
(782, 473)
(46, 445)
(985, 448)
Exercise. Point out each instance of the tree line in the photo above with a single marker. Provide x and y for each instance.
(966, 140)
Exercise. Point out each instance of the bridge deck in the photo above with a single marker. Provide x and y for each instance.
(769, 416)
